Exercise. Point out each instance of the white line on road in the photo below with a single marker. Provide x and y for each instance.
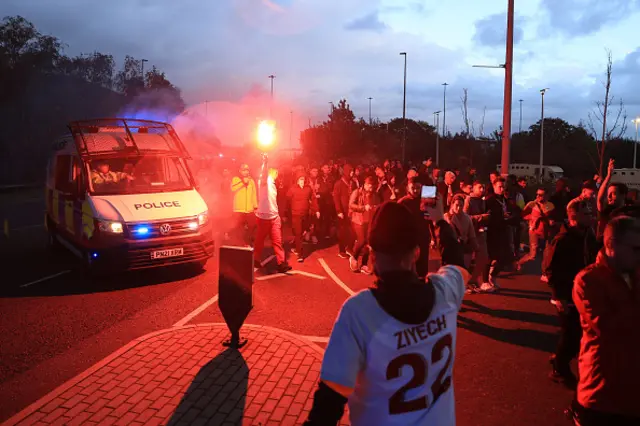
(270, 277)
(214, 299)
(308, 274)
(294, 272)
(44, 279)
(196, 312)
(335, 277)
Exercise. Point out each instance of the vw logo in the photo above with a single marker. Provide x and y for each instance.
(165, 229)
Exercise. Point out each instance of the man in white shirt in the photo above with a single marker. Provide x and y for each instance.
(269, 222)
(392, 348)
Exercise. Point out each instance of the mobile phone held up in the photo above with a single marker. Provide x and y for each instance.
(428, 192)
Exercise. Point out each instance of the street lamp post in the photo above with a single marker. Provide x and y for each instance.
(444, 110)
(271, 77)
(369, 110)
(436, 122)
(404, 108)
(520, 123)
(540, 172)
(636, 121)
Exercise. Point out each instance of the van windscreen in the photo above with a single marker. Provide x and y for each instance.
(138, 175)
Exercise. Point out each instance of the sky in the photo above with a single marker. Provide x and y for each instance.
(221, 52)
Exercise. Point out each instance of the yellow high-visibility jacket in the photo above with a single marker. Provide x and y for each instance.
(245, 198)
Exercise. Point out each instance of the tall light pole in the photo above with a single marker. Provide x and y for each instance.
(636, 121)
(508, 86)
(369, 110)
(271, 77)
(404, 108)
(444, 110)
(436, 122)
(540, 172)
(520, 124)
(142, 61)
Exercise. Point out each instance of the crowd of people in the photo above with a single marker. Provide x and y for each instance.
(383, 225)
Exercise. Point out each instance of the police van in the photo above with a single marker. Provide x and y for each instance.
(120, 196)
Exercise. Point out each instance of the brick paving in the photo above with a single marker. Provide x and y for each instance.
(184, 376)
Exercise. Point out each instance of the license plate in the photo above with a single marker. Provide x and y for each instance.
(163, 254)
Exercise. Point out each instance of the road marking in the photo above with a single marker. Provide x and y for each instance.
(308, 274)
(335, 277)
(44, 279)
(270, 277)
(288, 274)
(196, 312)
(317, 339)
(268, 259)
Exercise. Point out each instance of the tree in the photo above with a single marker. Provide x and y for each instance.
(600, 117)
(465, 113)
(129, 79)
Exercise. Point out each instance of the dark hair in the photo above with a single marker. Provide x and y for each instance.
(621, 225)
(589, 184)
(500, 179)
(541, 188)
(622, 188)
(394, 230)
(369, 180)
(494, 172)
(477, 182)
(522, 179)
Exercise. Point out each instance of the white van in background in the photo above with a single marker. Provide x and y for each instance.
(630, 177)
(532, 171)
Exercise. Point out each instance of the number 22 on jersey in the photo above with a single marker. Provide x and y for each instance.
(398, 404)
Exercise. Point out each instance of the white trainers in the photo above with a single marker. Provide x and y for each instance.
(314, 240)
(544, 278)
(353, 263)
(365, 270)
(487, 288)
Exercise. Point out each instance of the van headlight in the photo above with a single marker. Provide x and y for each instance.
(203, 218)
(111, 227)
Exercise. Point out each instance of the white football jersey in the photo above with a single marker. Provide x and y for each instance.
(401, 373)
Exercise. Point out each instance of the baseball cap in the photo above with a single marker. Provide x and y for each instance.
(394, 230)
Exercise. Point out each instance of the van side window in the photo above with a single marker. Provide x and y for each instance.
(77, 177)
(62, 173)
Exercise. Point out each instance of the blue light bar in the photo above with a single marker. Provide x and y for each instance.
(143, 230)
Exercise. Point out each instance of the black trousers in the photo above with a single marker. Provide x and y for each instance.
(362, 242)
(298, 223)
(244, 227)
(569, 343)
(345, 239)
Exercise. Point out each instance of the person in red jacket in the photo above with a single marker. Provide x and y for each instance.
(607, 297)
(302, 202)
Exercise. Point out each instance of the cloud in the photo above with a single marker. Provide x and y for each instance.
(370, 22)
(576, 18)
(223, 51)
(492, 30)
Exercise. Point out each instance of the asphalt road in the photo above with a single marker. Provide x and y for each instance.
(56, 322)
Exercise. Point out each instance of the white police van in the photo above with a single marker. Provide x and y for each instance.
(120, 196)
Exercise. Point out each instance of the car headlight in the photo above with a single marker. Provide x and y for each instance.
(203, 218)
(111, 227)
